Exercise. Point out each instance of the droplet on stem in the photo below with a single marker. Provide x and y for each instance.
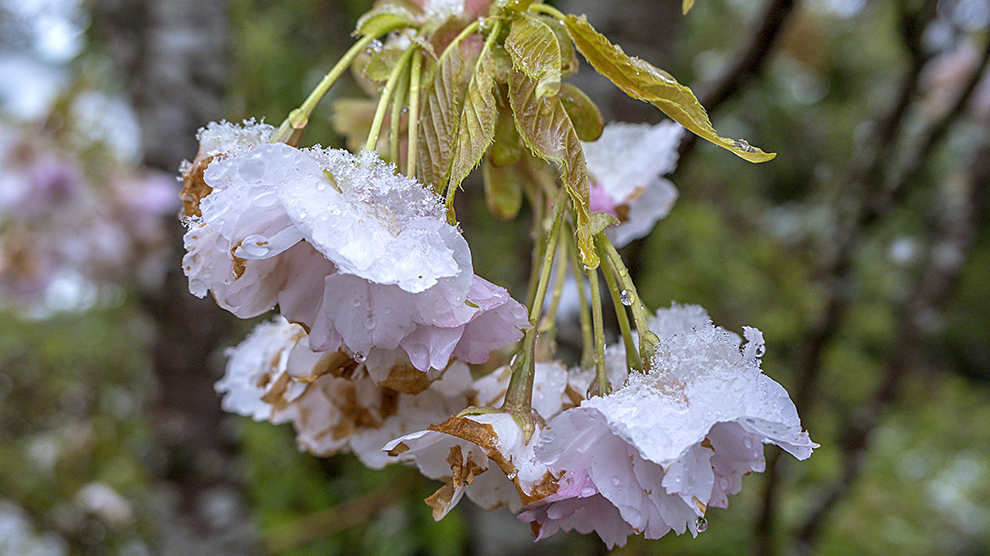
(626, 297)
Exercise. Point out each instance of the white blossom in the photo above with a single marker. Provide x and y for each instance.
(671, 443)
(361, 256)
(625, 165)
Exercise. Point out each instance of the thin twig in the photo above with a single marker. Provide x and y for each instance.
(955, 233)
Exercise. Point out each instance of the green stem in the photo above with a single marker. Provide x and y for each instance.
(633, 360)
(412, 134)
(519, 393)
(587, 335)
(549, 10)
(457, 40)
(647, 339)
(298, 118)
(601, 386)
(393, 78)
(548, 254)
(398, 101)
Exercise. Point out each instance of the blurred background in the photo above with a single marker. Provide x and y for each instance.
(862, 252)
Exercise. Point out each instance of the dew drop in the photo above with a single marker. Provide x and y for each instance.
(743, 145)
(370, 321)
(321, 186)
(702, 524)
(615, 481)
(356, 303)
(359, 357)
(626, 297)
(724, 484)
(748, 442)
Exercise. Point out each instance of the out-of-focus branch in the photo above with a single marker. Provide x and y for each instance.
(862, 183)
(748, 63)
(954, 235)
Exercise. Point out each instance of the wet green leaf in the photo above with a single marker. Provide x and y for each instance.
(643, 81)
(438, 120)
(534, 50)
(382, 20)
(568, 56)
(584, 115)
(503, 187)
(600, 221)
(547, 131)
(478, 114)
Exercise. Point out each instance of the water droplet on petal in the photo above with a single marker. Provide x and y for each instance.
(626, 297)
(356, 303)
(359, 357)
(702, 524)
(369, 321)
(321, 186)
(724, 484)
(748, 442)
(615, 481)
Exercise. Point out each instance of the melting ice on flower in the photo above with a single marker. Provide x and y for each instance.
(361, 256)
(658, 452)
(626, 164)
(330, 400)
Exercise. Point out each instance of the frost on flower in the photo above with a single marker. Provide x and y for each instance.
(361, 256)
(459, 452)
(669, 444)
(329, 397)
(626, 164)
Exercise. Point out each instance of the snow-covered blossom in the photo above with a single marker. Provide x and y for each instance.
(361, 256)
(329, 398)
(671, 443)
(459, 452)
(625, 165)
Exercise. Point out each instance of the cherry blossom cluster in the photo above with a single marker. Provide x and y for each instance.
(61, 225)
(385, 336)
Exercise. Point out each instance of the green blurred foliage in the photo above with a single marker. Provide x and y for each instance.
(740, 242)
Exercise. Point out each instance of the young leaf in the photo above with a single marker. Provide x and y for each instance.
(587, 120)
(438, 120)
(533, 47)
(643, 81)
(507, 148)
(382, 20)
(478, 114)
(503, 187)
(544, 126)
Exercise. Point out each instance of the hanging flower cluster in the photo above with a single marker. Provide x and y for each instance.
(61, 226)
(384, 329)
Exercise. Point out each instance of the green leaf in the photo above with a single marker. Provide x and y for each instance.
(587, 120)
(534, 50)
(508, 147)
(503, 187)
(438, 120)
(382, 20)
(478, 115)
(643, 81)
(544, 126)
(600, 221)
(568, 56)
(686, 7)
